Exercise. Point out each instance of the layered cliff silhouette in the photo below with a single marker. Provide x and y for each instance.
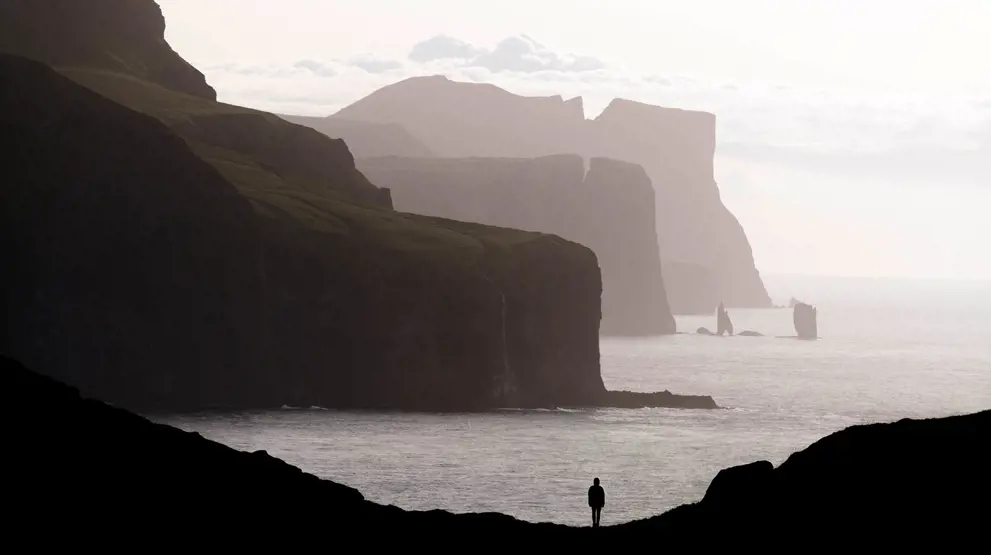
(609, 209)
(676, 148)
(899, 483)
(367, 139)
(163, 251)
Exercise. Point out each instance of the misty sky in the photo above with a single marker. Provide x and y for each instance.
(854, 136)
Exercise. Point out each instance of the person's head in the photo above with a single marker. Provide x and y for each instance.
(596, 481)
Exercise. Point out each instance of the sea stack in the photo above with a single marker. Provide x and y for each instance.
(723, 323)
(805, 321)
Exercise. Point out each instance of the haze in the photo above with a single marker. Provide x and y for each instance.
(853, 138)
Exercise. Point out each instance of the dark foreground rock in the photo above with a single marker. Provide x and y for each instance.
(95, 473)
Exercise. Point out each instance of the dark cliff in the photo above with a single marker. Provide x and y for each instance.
(141, 274)
(902, 483)
(367, 139)
(609, 209)
(125, 36)
(676, 148)
(167, 252)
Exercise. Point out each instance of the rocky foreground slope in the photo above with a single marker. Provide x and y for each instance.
(675, 147)
(164, 251)
(609, 208)
(84, 464)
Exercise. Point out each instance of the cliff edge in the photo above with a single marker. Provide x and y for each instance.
(609, 208)
(168, 252)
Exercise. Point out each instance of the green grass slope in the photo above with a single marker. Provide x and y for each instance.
(302, 287)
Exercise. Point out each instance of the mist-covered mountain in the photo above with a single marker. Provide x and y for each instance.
(367, 139)
(609, 208)
(676, 148)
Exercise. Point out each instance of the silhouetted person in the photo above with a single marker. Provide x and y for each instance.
(596, 500)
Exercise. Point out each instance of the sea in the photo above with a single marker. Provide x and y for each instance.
(888, 349)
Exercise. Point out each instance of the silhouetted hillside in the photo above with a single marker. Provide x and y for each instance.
(366, 139)
(676, 148)
(128, 254)
(125, 36)
(610, 210)
(902, 484)
(210, 255)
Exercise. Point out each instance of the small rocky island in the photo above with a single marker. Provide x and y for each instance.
(804, 316)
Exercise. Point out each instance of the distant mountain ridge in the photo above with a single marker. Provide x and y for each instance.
(608, 208)
(367, 139)
(675, 147)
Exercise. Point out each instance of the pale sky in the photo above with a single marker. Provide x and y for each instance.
(854, 137)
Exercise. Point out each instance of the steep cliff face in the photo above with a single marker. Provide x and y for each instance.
(609, 209)
(675, 147)
(139, 273)
(126, 36)
(210, 255)
(367, 139)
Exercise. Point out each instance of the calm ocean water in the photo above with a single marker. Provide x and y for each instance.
(888, 350)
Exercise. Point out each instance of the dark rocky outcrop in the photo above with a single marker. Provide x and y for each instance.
(608, 209)
(676, 148)
(902, 484)
(750, 333)
(367, 139)
(804, 317)
(704, 331)
(166, 252)
(125, 36)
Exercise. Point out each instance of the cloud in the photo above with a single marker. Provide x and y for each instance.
(443, 47)
(372, 64)
(514, 54)
(830, 131)
(317, 68)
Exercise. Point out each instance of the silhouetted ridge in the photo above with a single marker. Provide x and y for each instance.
(126, 36)
(901, 483)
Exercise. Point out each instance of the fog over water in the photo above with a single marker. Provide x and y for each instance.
(879, 359)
